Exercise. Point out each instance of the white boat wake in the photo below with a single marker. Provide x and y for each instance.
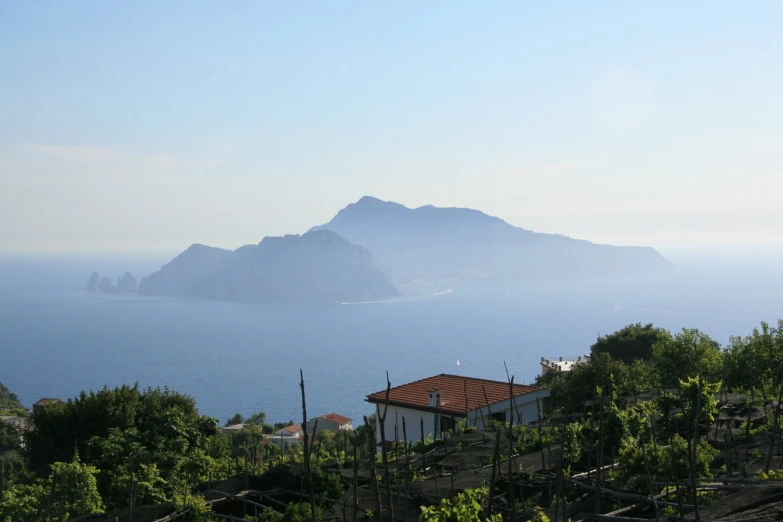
(403, 299)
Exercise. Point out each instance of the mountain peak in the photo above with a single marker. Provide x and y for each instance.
(370, 200)
(434, 242)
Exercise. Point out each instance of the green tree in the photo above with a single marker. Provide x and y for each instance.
(281, 425)
(257, 419)
(237, 418)
(76, 488)
(633, 342)
(8, 401)
(687, 354)
(110, 428)
(22, 503)
(664, 462)
(757, 359)
(9, 437)
(572, 389)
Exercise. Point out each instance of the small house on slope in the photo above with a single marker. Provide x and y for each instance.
(292, 430)
(43, 403)
(440, 402)
(330, 421)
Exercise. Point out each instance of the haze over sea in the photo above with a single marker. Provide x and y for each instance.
(56, 339)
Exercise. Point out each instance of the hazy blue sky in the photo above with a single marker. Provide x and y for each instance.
(159, 124)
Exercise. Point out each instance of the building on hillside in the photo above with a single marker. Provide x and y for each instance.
(234, 428)
(330, 421)
(549, 365)
(42, 403)
(294, 430)
(19, 422)
(282, 442)
(438, 403)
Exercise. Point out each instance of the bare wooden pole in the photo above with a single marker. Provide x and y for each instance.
(495, 462)
(513, 402)
(376, 490)
(355, 515)
(541, 434)
(489, 411)
(511, 490)
(423, 447)
(308, 477)
(775, 428)
(384, 452)
(647, 474)
(465, 392)
(599, 455)
(407, 466)
(692, 455)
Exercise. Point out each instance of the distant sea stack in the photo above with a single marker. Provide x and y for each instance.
(460, 243)
(125, 284)
(319, 267)
(93, 284)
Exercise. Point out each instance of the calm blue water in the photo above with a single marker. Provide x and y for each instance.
(56, 340)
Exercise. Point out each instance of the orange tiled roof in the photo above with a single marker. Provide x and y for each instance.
(455, 388)
(339, 419)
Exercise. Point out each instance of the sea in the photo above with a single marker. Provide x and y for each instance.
(57, 340)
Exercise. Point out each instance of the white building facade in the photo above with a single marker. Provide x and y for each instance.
(433, 407)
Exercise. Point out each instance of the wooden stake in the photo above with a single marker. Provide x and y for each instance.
(308, 478)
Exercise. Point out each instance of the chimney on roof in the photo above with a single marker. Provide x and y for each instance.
(579, 359)
(542, 358)
(561, 358)
(435, 398)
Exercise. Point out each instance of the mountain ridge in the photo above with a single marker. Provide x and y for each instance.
(318, 266)
(452, 242)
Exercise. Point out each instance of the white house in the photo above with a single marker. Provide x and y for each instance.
(330, 421)
(549, 365)
(294, 430)
(435, 405)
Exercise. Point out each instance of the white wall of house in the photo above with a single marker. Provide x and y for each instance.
(413, 420)
(288, 432)
(284, 442)
(524, 404)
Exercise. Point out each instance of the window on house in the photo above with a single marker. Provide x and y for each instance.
(499, 416)
(447, 424)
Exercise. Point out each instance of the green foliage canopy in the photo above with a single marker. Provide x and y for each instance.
(633, 342)
(687, 354)
(110, 428)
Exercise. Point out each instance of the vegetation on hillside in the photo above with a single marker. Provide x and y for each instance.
(639, 427)
(9, 402)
